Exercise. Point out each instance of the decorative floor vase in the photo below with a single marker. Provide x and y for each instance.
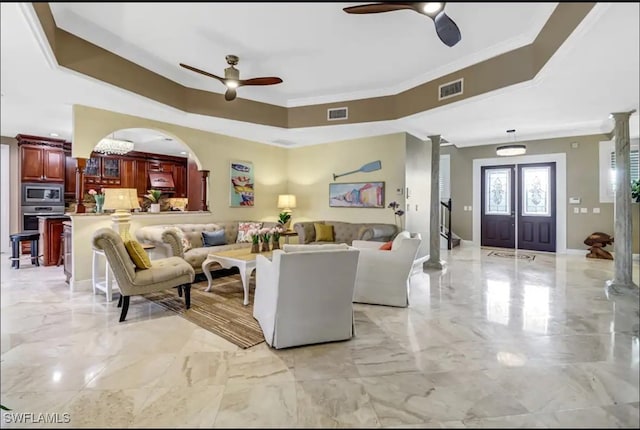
(255, 248)
(265, 247)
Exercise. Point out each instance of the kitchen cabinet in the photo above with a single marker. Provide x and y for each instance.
(69, 177)
(128, 174)
(179, 180)
(42, 164)
(50, 238)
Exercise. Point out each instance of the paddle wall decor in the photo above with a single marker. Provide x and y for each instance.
(369, 167)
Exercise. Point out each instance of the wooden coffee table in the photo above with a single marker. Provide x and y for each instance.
(242, 258)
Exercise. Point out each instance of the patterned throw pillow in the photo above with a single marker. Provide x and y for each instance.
(138, 255)
(243, 230)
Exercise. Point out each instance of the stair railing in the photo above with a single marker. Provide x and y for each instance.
(445, 223)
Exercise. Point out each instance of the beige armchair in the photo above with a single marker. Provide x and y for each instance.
(165, 273)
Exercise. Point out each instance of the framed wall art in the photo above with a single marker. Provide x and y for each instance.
(241, 184)
(356, 195)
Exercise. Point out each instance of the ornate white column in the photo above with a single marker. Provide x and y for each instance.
(622, 280)
(434, 261)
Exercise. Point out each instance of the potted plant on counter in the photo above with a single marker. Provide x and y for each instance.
(154, 196)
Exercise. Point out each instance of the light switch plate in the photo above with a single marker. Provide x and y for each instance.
(574, 200)
(576, 210)
(584, 210)
(596, 210)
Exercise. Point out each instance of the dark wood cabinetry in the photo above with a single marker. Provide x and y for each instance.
(50, 239)
(132, 171)
(42, 159)
(69, 177)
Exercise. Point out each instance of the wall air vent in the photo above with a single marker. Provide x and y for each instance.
(451, 89)
(337, 114)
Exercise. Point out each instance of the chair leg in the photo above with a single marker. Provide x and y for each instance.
(179, 290)
(120, 301)
(125, 308)
(187, 295)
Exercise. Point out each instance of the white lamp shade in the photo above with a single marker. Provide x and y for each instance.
(121, 198)
(286, 201)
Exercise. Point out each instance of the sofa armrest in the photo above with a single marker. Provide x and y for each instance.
(380, 233)
(162, 235)
(306, 232)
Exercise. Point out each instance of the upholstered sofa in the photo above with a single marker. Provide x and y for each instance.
(168, 239)
(346, 232)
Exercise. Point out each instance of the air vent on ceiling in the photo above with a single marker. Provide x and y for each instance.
(450, 89)
(336, 114)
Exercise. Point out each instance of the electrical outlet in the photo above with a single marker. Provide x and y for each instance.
(576, 210)
(584, 210)
(596, 210)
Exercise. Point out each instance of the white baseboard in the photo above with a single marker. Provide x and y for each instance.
(635, 257)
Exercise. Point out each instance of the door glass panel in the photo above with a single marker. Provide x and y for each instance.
(535, 190)
(498, 194)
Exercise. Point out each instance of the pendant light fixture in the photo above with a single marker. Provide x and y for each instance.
(513, 148)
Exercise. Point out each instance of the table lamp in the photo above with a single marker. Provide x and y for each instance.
(122, 200)
(286, 202)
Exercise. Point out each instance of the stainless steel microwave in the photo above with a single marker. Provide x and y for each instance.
(42, 193)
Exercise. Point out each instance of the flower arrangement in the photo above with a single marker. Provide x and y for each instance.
(276, 232)
(99, 198)
(154, 195)
(265, 234)
(397, 212)
(255, 235)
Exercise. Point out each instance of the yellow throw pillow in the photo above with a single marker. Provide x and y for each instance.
(324, 232)
(138, 255)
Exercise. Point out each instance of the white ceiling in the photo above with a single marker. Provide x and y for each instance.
(594, 73)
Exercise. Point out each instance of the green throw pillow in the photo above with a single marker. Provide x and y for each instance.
(138, 255)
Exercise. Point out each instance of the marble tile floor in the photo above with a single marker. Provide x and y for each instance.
(488, 342)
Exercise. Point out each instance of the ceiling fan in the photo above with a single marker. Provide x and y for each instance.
(232, 77)
(446, 29)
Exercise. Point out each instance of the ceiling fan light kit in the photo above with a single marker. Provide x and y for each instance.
(446, 28)
(232, 79)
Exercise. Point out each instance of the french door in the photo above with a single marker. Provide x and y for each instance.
(519, 210)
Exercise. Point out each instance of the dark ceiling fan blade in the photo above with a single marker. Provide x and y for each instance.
(230, 94)
(267, 80)
(447, 30)
(379, 7)
(202, 72)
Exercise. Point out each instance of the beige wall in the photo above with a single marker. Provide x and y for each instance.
(212, 151)
(310, 170)
(582, 181)
(14, 188)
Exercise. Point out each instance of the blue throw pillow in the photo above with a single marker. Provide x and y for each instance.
(213, 238)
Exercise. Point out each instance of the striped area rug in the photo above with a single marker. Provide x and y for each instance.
(219, 311)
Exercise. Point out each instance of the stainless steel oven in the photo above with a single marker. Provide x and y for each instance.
(42, 194)
(30, 215)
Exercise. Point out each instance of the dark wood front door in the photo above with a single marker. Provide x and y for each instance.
(537, 206)
(498, 206)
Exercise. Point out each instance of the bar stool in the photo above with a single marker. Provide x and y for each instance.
(16, 238)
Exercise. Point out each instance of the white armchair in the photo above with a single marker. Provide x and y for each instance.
(304, 294)
(383, 276)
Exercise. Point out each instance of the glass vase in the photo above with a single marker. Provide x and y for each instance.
(265, 246)
(255, 248)
(99, 208)
(275, 244)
